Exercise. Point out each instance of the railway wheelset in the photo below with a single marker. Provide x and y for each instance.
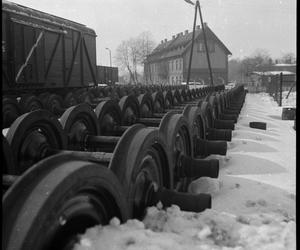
(71, 169)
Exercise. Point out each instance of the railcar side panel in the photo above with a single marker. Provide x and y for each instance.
(41, 51)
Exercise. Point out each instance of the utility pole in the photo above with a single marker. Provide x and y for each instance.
(205, 43)
(280, 90)
(197, 7)
(192, 48)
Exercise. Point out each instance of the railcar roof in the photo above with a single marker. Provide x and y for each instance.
(43, 16)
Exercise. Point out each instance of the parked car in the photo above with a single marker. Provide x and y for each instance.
(230, 85)
(195, 85)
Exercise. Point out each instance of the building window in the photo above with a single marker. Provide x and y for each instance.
(200, 47)
(210, 45)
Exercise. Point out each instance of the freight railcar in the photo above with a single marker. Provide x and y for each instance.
(107, 75)
(42, 51)
(48, 62)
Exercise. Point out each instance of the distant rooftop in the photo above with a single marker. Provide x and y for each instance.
(272, 73)
(181, 42)
(285, 64)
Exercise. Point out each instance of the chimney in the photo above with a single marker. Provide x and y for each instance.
(186, 32)
(181, 34)
(166, 40)
(198, 27)
(173, 37)
(162, 41)
(178, 35)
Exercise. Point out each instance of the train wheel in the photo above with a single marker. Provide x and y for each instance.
(196, 123)
(146, 105)
(55, 104)
(189, 95)
(30, 103)
(121, 92)
(57, 199)
(158, 102)
(207, 113)
(176, 97)
(29, 137)
(130, 109)
(109, 116)
(8, 161)
(78, 122)
(168, 99)
(140, 161)
(183, 96)
(174, 129)
(79, 95)
(43, 97)
(69, 100)
(10, 111)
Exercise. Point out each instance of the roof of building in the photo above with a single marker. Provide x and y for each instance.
(181, 43)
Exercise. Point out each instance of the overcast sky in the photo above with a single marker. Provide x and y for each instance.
(242, 25)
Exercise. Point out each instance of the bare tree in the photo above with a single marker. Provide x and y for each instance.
(261, 57)
(124, 59)
(288, 58)
(241, 69)
(146, 45)
(130, 54)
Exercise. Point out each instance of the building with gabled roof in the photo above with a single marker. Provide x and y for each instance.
(168, 62)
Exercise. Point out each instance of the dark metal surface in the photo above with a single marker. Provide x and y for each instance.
(78, 122)
(138, 162)
(130, 109)
(10, 111)
(57, 199)
(29, 137)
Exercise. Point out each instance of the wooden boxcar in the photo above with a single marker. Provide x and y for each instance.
(107, 75)
(42, 51)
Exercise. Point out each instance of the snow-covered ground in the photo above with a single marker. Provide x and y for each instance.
(290, 101)
(253, 204)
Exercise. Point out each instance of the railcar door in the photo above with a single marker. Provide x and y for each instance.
(27, 43)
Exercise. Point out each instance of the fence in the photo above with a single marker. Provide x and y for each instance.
(277, 86)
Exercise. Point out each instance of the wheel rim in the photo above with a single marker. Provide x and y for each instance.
(158, 102)
(109, 116)
(10, 111)
(146, 105)
(174, 128)
(31, 135)
(145, 162)
(70, 100)
(78, 122)
(30, 103)
(130, 109)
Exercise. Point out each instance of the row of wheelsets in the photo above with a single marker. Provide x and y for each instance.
(56, 101)
(65, 173)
